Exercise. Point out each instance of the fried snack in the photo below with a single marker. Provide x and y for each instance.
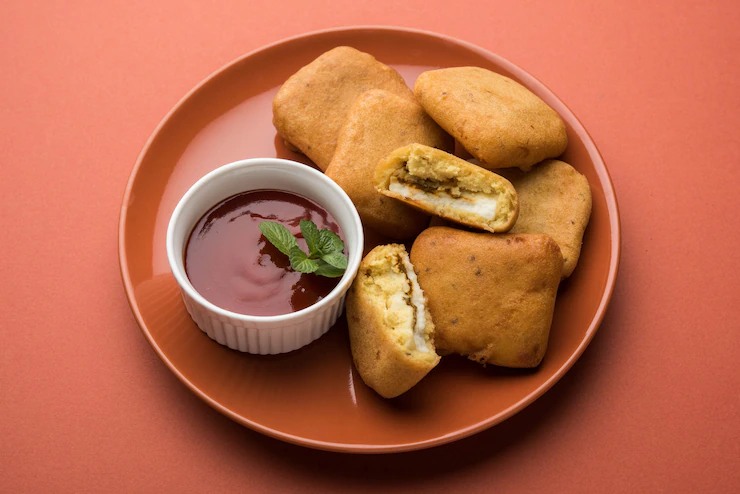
(445, 185)
(556, 200)
(312, 105)
(378, 123)
(496, 119)
(491, 296)
(390, 328)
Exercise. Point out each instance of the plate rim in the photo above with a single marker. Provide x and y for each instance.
(601, 171)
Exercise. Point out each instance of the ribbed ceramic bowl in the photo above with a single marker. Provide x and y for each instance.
(263, 334)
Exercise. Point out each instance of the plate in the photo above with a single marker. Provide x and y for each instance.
(297, 397)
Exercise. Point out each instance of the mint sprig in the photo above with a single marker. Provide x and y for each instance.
(325, 249)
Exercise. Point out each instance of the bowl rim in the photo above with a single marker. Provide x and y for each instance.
(267, 165)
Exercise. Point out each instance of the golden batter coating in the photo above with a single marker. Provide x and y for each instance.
(492, 296)
(378, 123)
(442, 184)
(311, 106)
(495, 118)
(554, 199)
(390, 328)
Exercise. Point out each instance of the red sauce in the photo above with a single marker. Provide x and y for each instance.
(232, 265)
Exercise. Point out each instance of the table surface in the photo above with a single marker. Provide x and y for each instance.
(652, 405)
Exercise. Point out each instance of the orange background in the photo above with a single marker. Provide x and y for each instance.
(653, 404)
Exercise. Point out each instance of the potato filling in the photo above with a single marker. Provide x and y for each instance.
(404, 302)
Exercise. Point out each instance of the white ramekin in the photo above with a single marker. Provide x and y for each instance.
(263, 334)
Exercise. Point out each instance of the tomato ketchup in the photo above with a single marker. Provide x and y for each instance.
(232, 265)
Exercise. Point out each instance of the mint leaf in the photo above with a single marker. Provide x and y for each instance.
(328, 270)
(335, 259)
(300, 262)
(311, 235)
(279, 236)
(329, 242)
(326, 250)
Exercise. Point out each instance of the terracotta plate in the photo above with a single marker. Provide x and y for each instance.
(313, 396)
